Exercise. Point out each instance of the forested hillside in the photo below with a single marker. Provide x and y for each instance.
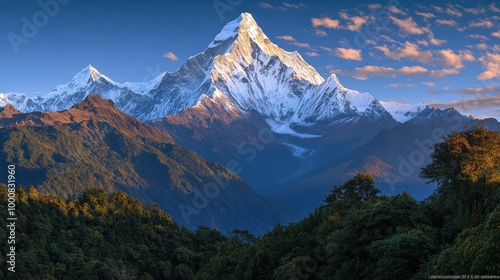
(355, 234)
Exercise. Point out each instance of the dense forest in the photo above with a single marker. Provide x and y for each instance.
(355, 234)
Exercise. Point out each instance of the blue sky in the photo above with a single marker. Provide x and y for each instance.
(446, 54)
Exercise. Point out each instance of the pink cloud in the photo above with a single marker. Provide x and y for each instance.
(484, 23)
(349, 54)
(301, 45)
(326, 22)
(480, 90)
(171, 56)
(491, 63)
(448, 22)
(320, 33)
(374, 6)
(370, 70)
(312, 54)
(425, 15)
(453, 12)
(286, 38)
(266, 5)
(450, 58)
(408, 51)
(409, 25)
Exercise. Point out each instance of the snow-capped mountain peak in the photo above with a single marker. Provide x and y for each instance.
(403, 112)
(87, 75)
(339, 85)
(241, 68)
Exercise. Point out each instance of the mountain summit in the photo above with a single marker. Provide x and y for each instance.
(241, 69)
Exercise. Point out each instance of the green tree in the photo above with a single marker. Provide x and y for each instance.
(466, 166)
(358, 189)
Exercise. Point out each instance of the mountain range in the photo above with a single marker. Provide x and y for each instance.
(95, 145)
(262, 112)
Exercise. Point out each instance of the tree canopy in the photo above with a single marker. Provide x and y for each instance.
(466, 166)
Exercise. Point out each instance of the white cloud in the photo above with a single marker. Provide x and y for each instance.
(439, 90)
(401, 85)
(426, 15)
(294, 6)
(266, 5)
(320, 33)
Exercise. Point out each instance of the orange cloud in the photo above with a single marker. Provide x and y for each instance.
(434, 41)
(286, 38)
(409, 25)
(409, 51)
(301, 45)
(493, 8)
(350, 54)
(480, 90)
(481, 102)
(326, 22)
(356, 22)
(450, 58)
(491, 63)
(312, 54)
(395, 10)
(453, 12)
(171, 56)
(364, 72)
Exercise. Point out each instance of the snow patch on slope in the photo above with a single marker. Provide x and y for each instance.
(360, 102)
(284, 128)
(298, 151)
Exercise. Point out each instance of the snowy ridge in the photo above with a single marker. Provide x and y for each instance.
(402, 112)
(241, 67)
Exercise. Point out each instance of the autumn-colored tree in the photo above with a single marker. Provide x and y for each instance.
(358, 189)
(466, 166)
